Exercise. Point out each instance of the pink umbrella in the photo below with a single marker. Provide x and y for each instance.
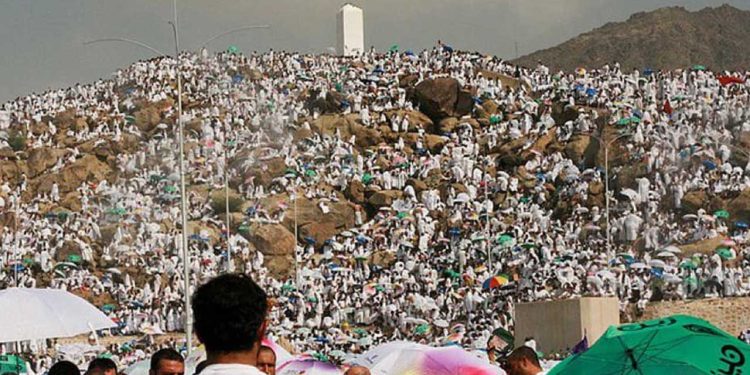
(307, 366)
(406, 358)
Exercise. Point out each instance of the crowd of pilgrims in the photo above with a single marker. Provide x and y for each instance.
(679, 126)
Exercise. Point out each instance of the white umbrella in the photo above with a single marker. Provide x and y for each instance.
(673, 249)
(665, 254)
(638, 266)
(441, 323)
(630, 193)
(462, 198)
(657, 263)
(36, 314)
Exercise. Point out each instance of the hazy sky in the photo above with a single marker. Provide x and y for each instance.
(41, 43)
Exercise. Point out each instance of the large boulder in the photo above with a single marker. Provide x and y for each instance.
(86, 169)
(272, 239)
(330, 103)
(318, 231)
(447, 125)
(739, 207)
(434, 143)
(355, 192)
(41, 159)
(442, 97)
(384, 198)
(11, 171)
(577, 148)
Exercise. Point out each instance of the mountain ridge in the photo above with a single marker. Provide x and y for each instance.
(665, 38)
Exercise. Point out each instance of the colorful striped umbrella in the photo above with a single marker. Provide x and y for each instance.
(496, 281)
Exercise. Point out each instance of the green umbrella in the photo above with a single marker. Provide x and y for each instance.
(688, 265)
(310, 173)
(233, 50)
(170, 189)
(130, 119)
(623, 121)
(699, 67)
(721, 214)
(422, 329)
(678, 344)
(12, 364)
(402, 215)
(452, 274)
(366, 178)
(73, 258)
(725, 253)
(505, 239)
(394, 48)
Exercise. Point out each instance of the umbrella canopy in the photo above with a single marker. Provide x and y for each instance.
(725, 253)
(679, 344)
(12, 364)
(721, 214)
(402, 357)
(496, 281)
(47, 313)
(308, 366)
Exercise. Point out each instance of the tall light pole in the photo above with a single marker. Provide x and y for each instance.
(606, 179)
(183, 194)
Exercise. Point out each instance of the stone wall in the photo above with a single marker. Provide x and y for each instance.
(729, 314)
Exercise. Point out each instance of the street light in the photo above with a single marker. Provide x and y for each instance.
(606, 179)
(183, 200)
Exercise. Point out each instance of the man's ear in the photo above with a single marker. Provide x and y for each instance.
(262, 331)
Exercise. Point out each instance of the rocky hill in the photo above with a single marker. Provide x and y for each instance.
(667, 38)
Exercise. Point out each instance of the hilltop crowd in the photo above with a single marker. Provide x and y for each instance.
(476, 209)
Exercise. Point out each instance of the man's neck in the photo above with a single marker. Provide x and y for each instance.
(245, 357)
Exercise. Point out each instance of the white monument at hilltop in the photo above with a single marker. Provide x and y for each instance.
(350, 31)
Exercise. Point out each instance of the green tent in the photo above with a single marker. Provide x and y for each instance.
(678, 344)
(12, 364)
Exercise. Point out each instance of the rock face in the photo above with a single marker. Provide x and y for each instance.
(41, 159)
(442, 97)
(272, 239)
(739, 207)
(86, 169)
(384, 198)
(666, 38)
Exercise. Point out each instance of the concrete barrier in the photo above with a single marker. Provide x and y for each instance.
(558, 325)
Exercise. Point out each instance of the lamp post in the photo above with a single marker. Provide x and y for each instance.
(606, 179)
(181, 139)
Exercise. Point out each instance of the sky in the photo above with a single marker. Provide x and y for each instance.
(41, 41)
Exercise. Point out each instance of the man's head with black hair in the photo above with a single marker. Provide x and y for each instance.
(64, 368)
(523, 361)
(105, 365)
(229, 314)
(167, 362)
